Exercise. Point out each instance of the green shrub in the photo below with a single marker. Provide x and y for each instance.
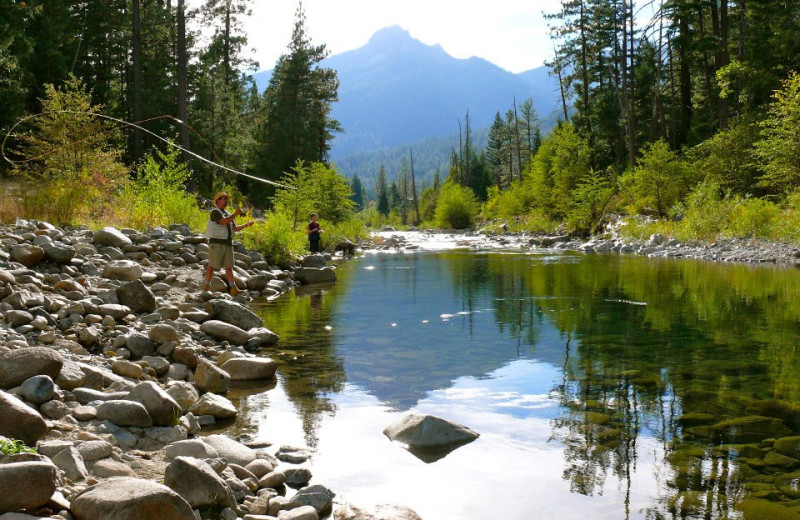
(753, 218)
(157, 197)
(14, 447)
(274, 237)
(706, 214)
(314, 188)
(456, 208)
(72, 158)
(660, 180)
(588, 202)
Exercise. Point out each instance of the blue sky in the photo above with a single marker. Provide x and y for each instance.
(509, 33)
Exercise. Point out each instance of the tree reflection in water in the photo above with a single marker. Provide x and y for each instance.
(698, 358)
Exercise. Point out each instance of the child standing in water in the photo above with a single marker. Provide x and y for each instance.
(313, 231)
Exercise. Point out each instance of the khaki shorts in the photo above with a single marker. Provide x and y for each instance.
(220, 256)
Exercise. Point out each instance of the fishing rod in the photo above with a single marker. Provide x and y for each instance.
(137, 126)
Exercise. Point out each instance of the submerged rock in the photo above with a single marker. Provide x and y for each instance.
(428, 437)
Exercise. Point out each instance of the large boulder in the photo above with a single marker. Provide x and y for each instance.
(210, 378)
(198, 483)
(58, 252)
(233, 313)
(428, 431)
(26, 485)
(231, 450)
(158, 403)
(130, 499)
(317, 496)
(215, 405)
(225, 331)
(27, 254)
(109, 236)
(124, 413)
(185, 394)
(125, 270)
(196, 448)
(137, 296)
(244, 369)
(37, 389)
(19, 421)
(18, 365)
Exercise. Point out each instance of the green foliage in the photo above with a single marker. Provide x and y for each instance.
(559, 165)
(727, 158)
(275, 237)
(12, 447)
(157, 197)
(314, 188)
(507, 204)
(589, 199)
(706, 213)
(753, 218)
(779, 147)
(456, 208)
(296, 106)
(658, 182)
(71, 157)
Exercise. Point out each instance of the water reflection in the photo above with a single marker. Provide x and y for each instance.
(661, 385)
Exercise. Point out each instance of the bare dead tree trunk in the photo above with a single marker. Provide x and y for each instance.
(183, 100)
(459, 168)
(414, 190)
(519, 146)
(136, 58)
(723, 102)
(632, 96)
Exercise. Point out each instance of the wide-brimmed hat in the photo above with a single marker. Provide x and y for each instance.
(218, 195)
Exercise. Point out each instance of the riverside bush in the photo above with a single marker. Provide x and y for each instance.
(706, 214)
(157, 197)
(456, 208)
(753, 218)
(274, 237)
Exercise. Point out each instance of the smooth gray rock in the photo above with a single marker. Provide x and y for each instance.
(33, 483)
(17, 318)
(37, 389)
(137, 296)
(428, 431)
(215, 405)
(381, 512)
(244, 369)
(196, 448)
(95, 450)
(130, 499)
(112, 237)
(27, 254)
(162, 333)
(125, 270)
(71, 463)
(58, 252)
(211, 378)
(158, 403)
(231, 450)
(18, 365)
(299, 513)
(19, 421)
(234, 313)
(140, 345)
(264, 335)
(317, 496)
(185, 394)
(116, 311)
(225, 331)
(124, 413)
(198, 483)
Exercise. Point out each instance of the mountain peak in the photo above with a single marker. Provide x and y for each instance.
(391, 33)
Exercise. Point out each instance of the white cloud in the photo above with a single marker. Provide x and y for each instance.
(509, 33)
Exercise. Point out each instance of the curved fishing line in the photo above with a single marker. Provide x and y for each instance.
(134, 125)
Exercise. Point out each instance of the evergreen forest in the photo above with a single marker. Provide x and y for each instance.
(682, 113)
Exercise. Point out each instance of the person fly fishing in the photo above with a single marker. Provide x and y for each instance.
(219, 231)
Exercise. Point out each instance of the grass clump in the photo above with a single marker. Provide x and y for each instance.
(14, 447)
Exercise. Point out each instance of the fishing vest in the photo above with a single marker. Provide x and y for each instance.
(217, 231)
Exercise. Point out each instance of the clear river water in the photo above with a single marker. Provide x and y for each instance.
(603, 386)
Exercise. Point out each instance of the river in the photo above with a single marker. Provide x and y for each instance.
(604, 386)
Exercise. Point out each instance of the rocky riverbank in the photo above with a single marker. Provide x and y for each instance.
(112, 360)
(748, 250)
